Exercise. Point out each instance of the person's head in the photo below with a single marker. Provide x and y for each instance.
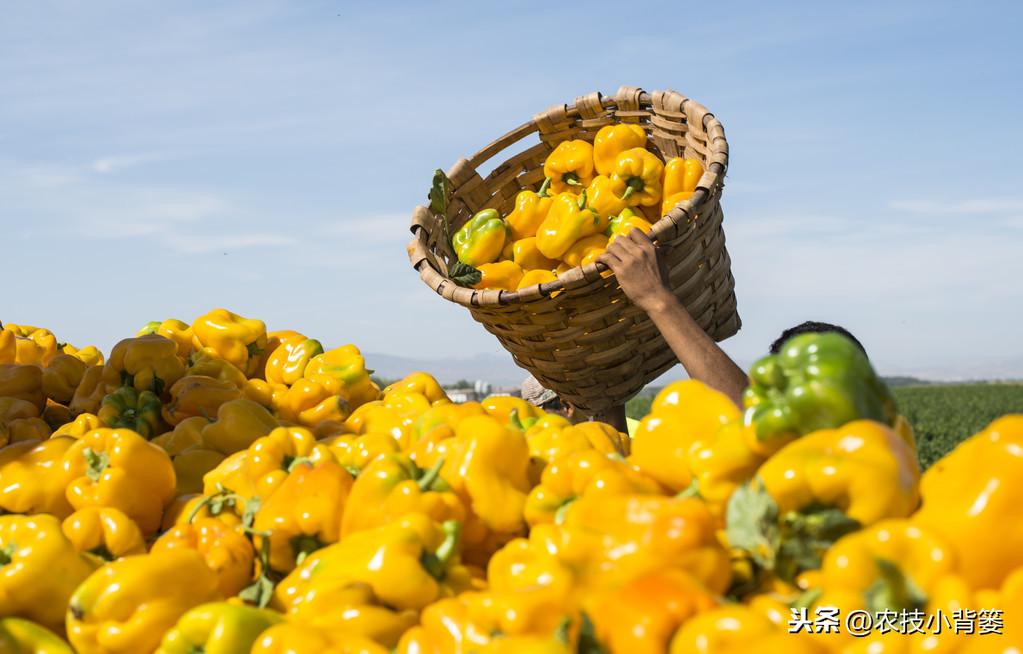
(535, 393)
(812, 327)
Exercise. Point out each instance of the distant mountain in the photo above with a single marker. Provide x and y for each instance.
(905, 381)
(495, 369)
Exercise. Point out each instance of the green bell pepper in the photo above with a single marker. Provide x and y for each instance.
(128, 408)
(481, 240)
(816, 381)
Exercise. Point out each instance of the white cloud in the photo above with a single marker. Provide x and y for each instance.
(106, 165)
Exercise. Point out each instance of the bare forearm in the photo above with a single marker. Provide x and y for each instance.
(702, 358)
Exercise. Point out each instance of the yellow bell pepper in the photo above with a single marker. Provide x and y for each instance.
(126, 408)
(33, 345)
(356, 451)
(587, 472)
(422, 383)
(310, 403)
(56, 415)
(393, 486)
(642, 616)
(120, 469)
(174, 330)
(529, 213)
(61, 377)
(481, 239)
(437, 425)
(487, 465)
(528, 256)
(126, 606)
(396, 415)
(681, 175)
(971, 494)
(818, 488)
(239, 423)
(408, 564)
(19, 636)
(611, 141)
(736, 629)
(549, 443)
(343, 370)
(89, 393)
(218, 628)
(206, 364)
(638, 534)
(569, 166)
(304, 513)
(185, 509)
(24, 382)
(721, 462)
(510, 410)
(501, 275)
(601, 198)
(239, 341)
(103, 532)
(197, 395)
(263, 393)
(191, 466)
(40, 569)
(226, 551)
(272, 457)
(625, 222)
(20, 421)
(570, 218)
(186, 435)
(289, 638)
(34, 479)
(287, 363)
(149, 363)
(8, 347)
(89, 355)
(585, 250)
(682, 413)
(636, 177)
(534, 277)
(891, 565)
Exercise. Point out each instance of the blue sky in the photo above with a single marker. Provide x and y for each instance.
(159, 160)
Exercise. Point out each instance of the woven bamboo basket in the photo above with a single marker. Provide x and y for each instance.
(579, 335)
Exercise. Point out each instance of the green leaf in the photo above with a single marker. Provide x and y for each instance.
(751, 523)
(259, 593)
(439, 193)
(806, 535)
(464, 275)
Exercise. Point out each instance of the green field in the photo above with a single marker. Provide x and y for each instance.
(942, 415)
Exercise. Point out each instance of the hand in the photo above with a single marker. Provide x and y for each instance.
(640, 269)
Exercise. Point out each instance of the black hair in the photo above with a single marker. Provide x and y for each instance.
(812, 327)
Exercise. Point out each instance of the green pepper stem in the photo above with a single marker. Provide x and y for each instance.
(430, 476)
(544, 188)
(435, 563)
(571, 179)
(634, 185)
(582, 199)
(97, 462)
(7, 553)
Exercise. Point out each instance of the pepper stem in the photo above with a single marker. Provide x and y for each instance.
(303, 545)
(430, 476)
(436, 562)
(544, 188)
(634, 185)
(7, 553)
(582, 199)
(97, 462)
(571, 179)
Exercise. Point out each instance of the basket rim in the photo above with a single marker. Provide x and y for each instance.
(712, 178)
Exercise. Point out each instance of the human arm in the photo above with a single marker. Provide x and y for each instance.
(643, 277)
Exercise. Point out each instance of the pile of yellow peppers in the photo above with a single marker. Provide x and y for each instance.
(215, 487)
(593, 193)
